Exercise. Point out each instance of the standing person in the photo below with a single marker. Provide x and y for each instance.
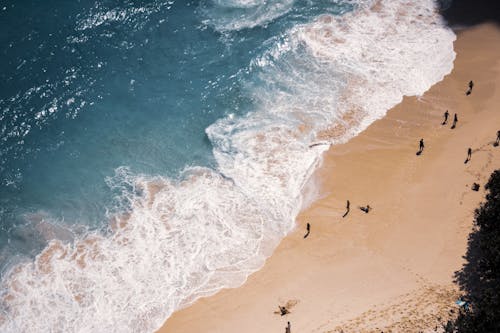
(497, 142)
(446, 114)
(288, 328)
(469, 155)
(420, 147)
(348, 207)
(308, 227)
(469, 91)
(455, 120)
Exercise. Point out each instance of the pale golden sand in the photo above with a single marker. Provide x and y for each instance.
(391, 269)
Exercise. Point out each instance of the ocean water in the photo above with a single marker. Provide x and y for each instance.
(154, 152)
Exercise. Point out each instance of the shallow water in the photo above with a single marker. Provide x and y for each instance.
(153, 152)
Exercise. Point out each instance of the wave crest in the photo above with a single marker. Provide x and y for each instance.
(177, 240)
(234, 15)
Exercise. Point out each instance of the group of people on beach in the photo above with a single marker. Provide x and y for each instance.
(421, 145)
(367, 208)
(445, 121)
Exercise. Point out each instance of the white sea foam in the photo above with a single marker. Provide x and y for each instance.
(389, 50)
(180, 240)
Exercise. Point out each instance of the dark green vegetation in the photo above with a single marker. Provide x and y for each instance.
(480, 275)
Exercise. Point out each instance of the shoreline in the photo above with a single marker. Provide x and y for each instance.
(362, 272)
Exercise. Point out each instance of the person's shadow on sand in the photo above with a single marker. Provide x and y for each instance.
(348, 208)
(469, 91)
(308, 230)
(469, 156)
(455, 120)
(420, 147)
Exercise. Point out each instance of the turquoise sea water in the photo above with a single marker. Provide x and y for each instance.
(89, 86)
(154, 152)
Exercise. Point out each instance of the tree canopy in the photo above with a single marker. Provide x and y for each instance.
(480, 275)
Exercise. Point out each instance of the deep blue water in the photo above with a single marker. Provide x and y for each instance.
(90, 86)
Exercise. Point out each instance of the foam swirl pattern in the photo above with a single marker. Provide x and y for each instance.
(181, 239)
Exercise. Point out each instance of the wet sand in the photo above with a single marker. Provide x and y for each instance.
(392, 268)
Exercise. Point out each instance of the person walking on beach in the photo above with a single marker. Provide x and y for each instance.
(446, 114)
(288, 328)
(469, 155)
(497, 142)
(420, 147)
(308, 227)
(469, 91)
(455, 120)
(348, 207)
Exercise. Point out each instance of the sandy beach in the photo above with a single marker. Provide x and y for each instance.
(393, 268)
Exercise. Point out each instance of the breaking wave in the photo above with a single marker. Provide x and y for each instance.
(175, 240)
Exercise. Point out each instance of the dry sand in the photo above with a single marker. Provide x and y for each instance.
(391, 269)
